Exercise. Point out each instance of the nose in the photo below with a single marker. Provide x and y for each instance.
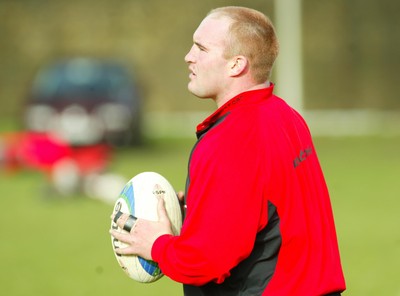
(189, 56)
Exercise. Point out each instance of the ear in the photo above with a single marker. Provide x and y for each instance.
(238, 65)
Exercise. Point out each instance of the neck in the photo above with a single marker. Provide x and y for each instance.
(229, 95)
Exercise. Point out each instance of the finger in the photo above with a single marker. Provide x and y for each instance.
(122, 237)
(129, 223)
(162, 212)
(125, 251)
(181, 196)
(124, 221)
(116, 215)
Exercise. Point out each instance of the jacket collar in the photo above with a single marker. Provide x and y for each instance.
(241, 99)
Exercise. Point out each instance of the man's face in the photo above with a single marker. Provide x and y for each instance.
(207, 66)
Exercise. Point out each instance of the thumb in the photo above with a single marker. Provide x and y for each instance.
(162, 212)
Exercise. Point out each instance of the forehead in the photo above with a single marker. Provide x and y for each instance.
(212, 31)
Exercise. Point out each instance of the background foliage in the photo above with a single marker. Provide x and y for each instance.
(351, 48)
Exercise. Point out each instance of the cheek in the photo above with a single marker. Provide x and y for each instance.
(213, 74)
(209, 70)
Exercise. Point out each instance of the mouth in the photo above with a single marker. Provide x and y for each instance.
(191, 73)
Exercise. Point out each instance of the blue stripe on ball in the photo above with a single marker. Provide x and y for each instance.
(150, 267)
(128, 195)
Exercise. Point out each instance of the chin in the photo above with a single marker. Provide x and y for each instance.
(192, 89)
(198, 92)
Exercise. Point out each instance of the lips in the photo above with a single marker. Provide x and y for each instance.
(191, 74)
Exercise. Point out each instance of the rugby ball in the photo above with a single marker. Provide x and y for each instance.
(139, 198)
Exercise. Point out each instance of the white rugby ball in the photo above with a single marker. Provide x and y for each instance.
(139, 198)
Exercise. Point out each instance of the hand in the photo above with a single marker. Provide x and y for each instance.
(143, 234)
(181, 198)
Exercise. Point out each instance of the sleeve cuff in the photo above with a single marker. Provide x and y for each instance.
(159, 246)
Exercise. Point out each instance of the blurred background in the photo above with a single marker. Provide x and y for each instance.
(94, 92)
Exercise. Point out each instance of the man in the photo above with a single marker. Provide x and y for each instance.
(258, 216)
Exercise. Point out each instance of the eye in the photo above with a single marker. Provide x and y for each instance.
(201, 47)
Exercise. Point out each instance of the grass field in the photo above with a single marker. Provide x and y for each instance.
(60, 246)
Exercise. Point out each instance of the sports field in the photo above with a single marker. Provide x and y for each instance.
(60, 246)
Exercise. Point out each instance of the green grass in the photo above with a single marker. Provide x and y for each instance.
(60, 246)
(363, 176)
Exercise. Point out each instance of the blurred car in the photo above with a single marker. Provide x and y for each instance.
(85, 101)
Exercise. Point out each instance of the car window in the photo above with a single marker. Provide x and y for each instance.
(84, 80)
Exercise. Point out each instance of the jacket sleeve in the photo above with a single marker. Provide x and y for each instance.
(226, 207)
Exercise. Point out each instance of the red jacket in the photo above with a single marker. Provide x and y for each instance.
(259, 219)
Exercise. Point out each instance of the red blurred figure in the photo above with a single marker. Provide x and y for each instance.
(66, 166)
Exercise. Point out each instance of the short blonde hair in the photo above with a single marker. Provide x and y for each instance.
(252, 35)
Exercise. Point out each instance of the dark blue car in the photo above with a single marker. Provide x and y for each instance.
(85, 101)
